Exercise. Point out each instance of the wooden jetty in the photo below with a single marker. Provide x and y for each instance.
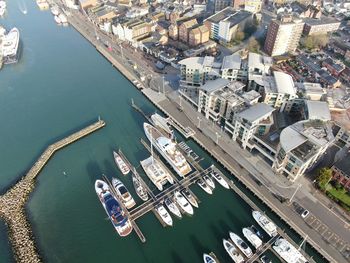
(281, 233)
(176, 180)
(13, 201)
(133, 223)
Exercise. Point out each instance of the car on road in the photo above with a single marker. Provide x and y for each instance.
(305, 213)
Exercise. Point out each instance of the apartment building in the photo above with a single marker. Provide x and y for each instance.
(184, 29)
(195, 71)
(283, 36)
(276, 90)
(223, 25)
(220, 98)
(198, 35)
(233, 68)
(256, 119)
(132, 30)
(320, 26)
(300, 147)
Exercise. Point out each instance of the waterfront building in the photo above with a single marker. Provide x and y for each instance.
(320, 26)
(300, 147)
(283, 36)
(276, 90)
(224, 24)
(195, 71)
(341, 171)
(253, 6)
(258, 65)
(233, 68)
(132, 30)
(220, 98)
(256, 119)
(342, 136)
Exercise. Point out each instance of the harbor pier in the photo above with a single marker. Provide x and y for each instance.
(12, 203)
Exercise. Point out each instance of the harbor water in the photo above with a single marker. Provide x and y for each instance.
(59, 85)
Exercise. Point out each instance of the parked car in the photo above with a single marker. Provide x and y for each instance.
(305, 213)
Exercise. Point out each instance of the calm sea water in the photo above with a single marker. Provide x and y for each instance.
(60, 84)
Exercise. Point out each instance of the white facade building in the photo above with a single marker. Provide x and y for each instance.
(256, 119)
(300, 146)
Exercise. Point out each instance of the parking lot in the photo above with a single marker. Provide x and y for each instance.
(330, 237)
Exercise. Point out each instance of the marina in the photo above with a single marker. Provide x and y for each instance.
(160, 201)
(145, 204)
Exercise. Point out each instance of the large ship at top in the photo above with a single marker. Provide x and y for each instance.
(10, 44)
(269, 227)
(2, 7)
(167, 148)
(288, 252)
(115, 212)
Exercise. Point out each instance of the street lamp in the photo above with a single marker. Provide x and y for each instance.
(296, 190)
(217, 137)
(199, 122)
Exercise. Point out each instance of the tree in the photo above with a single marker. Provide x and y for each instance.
(315, 41)
(324, 176)
(239, 35)
(253, 45)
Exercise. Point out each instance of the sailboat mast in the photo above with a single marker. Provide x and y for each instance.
(303, 242)
(152, 148)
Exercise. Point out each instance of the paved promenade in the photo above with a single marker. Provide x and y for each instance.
(12, 203)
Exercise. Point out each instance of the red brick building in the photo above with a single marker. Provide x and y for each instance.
(341, 172)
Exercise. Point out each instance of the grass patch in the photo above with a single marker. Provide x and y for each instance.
(341, 195)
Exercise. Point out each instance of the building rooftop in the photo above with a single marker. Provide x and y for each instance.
(303, 138)
(198, 62)
(251, 95)
(214, 85)
(230, 15)
(232, 62)
(323, 21)
(257, 61)
(284, 83)
(311, 88)
(318, 110)
(256, 112)
(344, 164)
(280, 83)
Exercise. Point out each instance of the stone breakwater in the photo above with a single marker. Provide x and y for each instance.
(12, 203)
